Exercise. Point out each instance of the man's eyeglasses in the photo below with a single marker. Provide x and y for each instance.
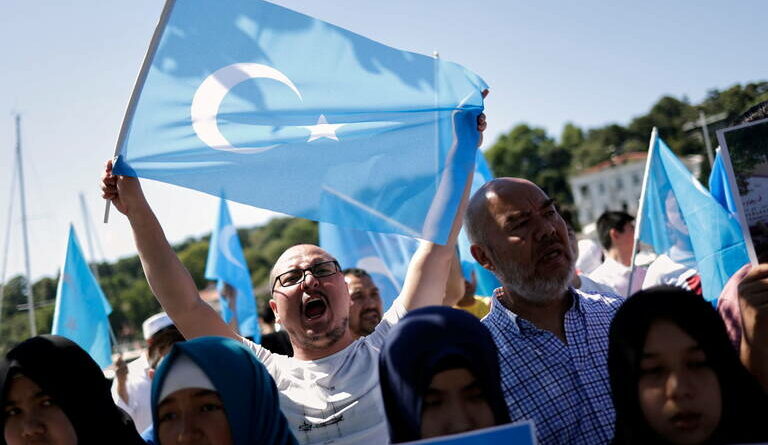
(296, 276)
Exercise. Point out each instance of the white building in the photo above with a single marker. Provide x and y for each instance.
(615, 185)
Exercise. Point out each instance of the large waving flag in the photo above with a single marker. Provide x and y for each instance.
(486, 281)
(226, 264)
(82, 310)
(278, 110)
(677, 214)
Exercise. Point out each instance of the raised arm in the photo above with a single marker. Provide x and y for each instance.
(168, 278)
(753, 302)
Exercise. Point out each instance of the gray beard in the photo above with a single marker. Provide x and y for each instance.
(532, 288)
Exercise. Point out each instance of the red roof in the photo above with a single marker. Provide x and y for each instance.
(616, 160)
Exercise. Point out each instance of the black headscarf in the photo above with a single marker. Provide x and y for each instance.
(425, 342)
(744, 403)
(69, 375)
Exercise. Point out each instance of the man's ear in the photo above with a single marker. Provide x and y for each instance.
(273, 306)
(481, 256)
(614, 234)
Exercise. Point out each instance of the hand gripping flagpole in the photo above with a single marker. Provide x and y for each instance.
(641, 207)
(146, 64)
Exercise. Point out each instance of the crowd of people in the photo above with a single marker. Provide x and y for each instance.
(583, 356)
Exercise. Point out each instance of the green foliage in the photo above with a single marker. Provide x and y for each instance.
(126, 288)
(529, 152)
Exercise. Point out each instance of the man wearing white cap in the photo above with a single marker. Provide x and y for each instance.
(132, 387)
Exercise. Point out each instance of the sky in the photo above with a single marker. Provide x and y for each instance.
(69, 69)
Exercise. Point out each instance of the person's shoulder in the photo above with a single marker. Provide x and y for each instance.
(599, 300)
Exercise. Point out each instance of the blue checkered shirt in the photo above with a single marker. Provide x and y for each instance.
(563, 388)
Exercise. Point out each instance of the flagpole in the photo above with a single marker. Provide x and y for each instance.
(641, 207)
(7, 244)
(133, 101)
(25, 235)
(88, 236)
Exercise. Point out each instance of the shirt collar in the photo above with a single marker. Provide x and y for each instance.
(518, 325)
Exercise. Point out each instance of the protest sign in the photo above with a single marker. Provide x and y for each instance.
(745, 154)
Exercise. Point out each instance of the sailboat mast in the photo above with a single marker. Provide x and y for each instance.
(30, 297)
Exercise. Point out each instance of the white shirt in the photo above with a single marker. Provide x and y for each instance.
(139, 389)
(335, 399)
(590, 286)
(616, 275)
(665, 270)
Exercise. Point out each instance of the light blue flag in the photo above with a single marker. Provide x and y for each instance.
(486, 281)
(288, 113)
(719, 185)
(384, 256)
(680, 218)
(226, 264)
(519, 433)
(82, 310)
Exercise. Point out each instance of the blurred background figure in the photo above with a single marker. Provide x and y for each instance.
(273, 339)
(132, 386)
(366, 309)
(616, 231)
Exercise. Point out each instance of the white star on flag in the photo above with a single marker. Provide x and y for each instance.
(323, 129)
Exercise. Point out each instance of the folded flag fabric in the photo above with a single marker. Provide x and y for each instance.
(226, 265)
(281, 111)
(82, 310)
(678, 215)
(719, 185)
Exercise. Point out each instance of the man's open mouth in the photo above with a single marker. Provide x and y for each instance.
(314, 307)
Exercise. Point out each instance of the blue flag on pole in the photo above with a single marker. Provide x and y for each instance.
(285, 112)
(719, 185)
(82, 310)
(226, 264)
(486, 281)
(677, 214)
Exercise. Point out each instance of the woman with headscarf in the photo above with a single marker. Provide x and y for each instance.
(214, 388)
(53, 392)
(440, 375)
(675, 376)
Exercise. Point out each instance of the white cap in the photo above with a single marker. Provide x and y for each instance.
(154, 323)
(184, 373)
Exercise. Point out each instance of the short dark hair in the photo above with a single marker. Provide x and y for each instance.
(754, 113)
(611, 220)
(356, 272)
(266, 313)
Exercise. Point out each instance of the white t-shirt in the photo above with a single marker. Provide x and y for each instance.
(336, 399)
(590, 286)
(616, 275)
(665, 270)
(139, 388)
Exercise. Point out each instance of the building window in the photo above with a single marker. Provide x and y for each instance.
(636, 179)
(585, 191)
(619, 183)
(601, 188)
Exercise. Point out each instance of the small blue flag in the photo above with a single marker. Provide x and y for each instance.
(285, 112)
(486, 281)
(519, 433)
(384, 256)
(719, 185)
(226, 264)
(680, 218)
(82, 310)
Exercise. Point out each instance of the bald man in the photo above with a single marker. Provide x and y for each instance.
(329, 389)
(552, 339)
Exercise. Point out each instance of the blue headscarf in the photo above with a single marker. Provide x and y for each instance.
(246, 389)
(425, 342)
